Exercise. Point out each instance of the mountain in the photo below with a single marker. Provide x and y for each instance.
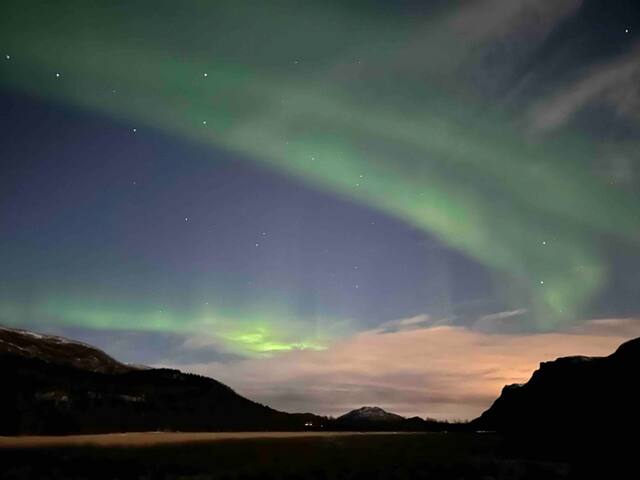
(369, 414)
(375, 418)
(572, 396)
(58, 350)
(57, 386)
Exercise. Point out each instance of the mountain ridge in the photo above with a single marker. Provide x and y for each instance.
(570, 395)
(60, 386)
(60, 350)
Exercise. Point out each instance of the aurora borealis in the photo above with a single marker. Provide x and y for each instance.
(217, 183)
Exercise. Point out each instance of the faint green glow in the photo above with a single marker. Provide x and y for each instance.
(257, 332)
(259, 341)
(440, 160)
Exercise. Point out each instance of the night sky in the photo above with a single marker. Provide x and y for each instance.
(325, 204)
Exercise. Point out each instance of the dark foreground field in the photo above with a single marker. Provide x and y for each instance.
(370, 456)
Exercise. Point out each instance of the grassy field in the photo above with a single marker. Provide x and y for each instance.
(150, 439)
(282, 456)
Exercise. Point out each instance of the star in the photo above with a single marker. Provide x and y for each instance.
(57, 75)
(186, 219)
(204, 122)
(205, 74)
(8, 57)
(135, 130)
(544, 242)
(626, 30)
(541, 282)
(257, 244)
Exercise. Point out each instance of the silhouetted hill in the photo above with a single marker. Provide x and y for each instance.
(370, 414)
(56, 386)
(572, 396)
(58, 351)
(377, 419)
(369, 418)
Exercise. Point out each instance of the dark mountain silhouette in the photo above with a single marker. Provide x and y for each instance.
(377, 419)
(370, 414)
(58, 351)
(369, 418)
(57, 386)
(572, 397)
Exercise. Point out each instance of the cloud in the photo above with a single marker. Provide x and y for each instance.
(411, 323)
(437, 371)
(615, 83)
(501, 322)
(533, 19)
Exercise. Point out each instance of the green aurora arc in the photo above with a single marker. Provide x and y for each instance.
(342, 111)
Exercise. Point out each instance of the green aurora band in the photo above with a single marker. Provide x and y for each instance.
(326, 96)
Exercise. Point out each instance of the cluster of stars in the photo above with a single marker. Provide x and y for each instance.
(312, 157)
(114, 91)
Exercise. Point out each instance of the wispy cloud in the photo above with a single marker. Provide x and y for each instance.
(506, 321)
(533, 19)
(615, 83)
(438, 371)
(412, 323)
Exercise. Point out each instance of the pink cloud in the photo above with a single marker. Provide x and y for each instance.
(436, 371)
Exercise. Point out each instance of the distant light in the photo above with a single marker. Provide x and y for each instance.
(186, 219)
(205, 74)
(626, 30)
(57, 75)
(8, 57)
(544, 242)
(204, 122)
(541, 282)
